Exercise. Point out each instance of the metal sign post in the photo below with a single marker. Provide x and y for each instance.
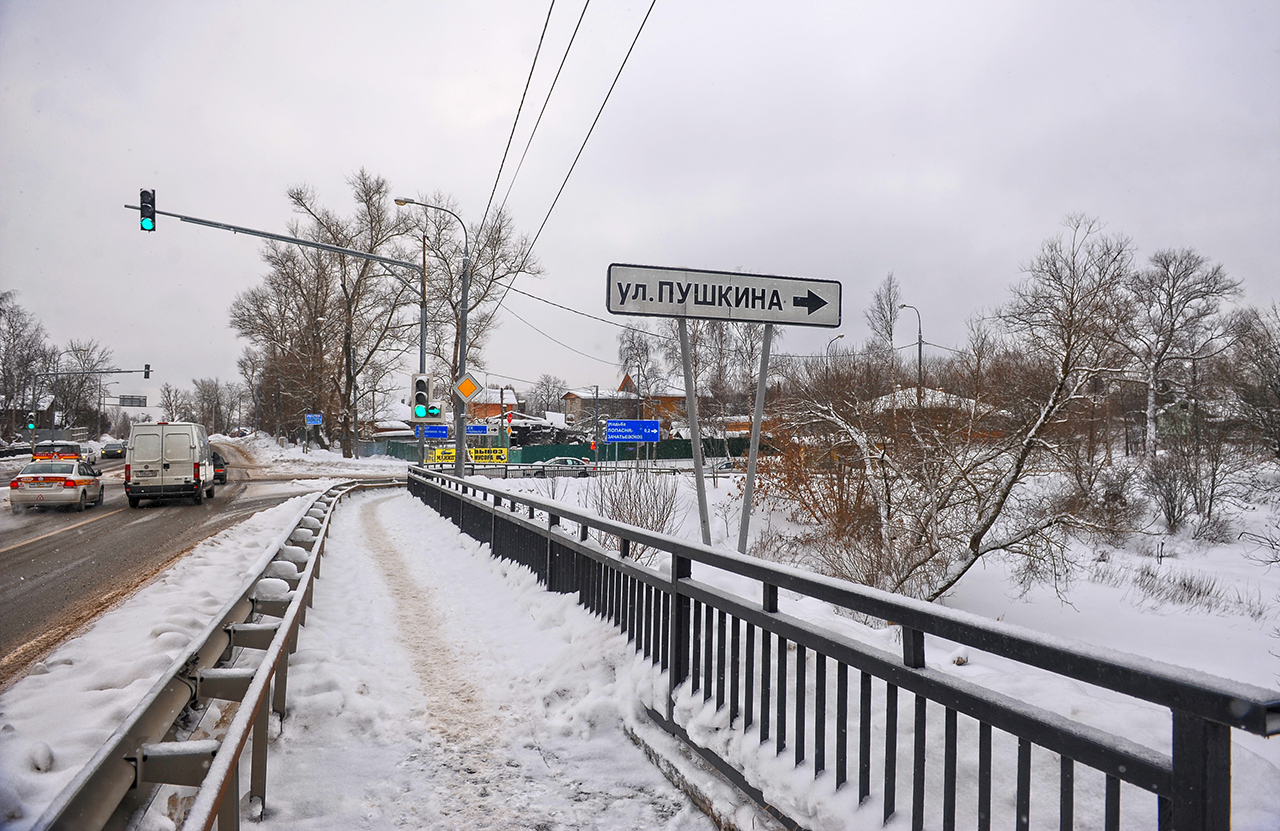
(682, 293)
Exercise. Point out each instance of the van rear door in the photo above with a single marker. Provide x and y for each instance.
(179, 456)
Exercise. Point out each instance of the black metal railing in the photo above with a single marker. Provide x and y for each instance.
(773, 677)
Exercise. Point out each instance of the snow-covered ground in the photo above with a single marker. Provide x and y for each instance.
(436, 687)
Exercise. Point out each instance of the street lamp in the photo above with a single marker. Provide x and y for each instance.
(460, 407)
(833, 340)
(919, 355)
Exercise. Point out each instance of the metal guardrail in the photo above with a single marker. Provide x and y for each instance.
(757, 662)
(145, 751)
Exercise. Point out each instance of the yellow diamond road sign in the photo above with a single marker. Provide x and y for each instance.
(467, 387)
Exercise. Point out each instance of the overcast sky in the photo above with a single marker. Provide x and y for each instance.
(841, 141)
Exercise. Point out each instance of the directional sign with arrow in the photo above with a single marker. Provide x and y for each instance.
(719, 295)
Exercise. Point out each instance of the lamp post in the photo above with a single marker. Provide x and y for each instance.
(833, 340)
(460, 406)
(919, 355)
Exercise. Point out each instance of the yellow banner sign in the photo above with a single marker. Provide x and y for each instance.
(479, 455)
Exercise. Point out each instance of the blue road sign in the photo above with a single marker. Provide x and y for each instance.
(478, 430)
(432, 431)
(630, 429)
(314, 418)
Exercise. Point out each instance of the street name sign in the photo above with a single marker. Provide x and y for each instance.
(432, 431)
(722, 295)
(630, 429)
(314, 418)
(481, 430)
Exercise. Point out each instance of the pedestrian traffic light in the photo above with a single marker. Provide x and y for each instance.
(31, 421)
(147, 209)
(420, 398)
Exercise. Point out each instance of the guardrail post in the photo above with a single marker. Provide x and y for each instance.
(258, 754)
(229, 807)
(1201, 798)
(681, 569)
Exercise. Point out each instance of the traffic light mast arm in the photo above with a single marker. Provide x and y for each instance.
(253, 232)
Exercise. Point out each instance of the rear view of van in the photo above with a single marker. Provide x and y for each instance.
(168, 460)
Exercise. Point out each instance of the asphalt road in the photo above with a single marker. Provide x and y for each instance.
(60, 570)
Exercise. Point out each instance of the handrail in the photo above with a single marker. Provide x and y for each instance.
(1237, 704)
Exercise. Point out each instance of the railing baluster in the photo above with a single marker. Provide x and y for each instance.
(708, 653)
(735, 685)
(1113, 804)
(721, 647)
(695, 666)
(917, 777)
(842, 723)
(1024, 784)
(984, 776)
(1067, 795)
(890, 750)
(819, 714)
(766, 673)
(749, 677)
(781, 692)
(949, 772)
(664, 637)
(864, 736)
(801, 700)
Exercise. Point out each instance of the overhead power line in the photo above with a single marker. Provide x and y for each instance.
(545, 101)
(519, 109)
(593, 123)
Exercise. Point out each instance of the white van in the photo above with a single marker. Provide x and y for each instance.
(168, 460)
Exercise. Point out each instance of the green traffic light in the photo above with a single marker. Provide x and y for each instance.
(433, 411)
(419, 411)
(148, 224)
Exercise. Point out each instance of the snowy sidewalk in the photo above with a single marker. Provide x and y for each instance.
(435, 687)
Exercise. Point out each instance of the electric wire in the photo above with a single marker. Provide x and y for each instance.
(519, 109)
(545, 102)
(595, 121)
(622, 66)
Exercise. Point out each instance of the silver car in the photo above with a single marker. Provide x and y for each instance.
(56, 483)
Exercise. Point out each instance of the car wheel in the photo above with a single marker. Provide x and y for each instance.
(102, 495)
(81, 502)
(209, 493)
(199, 496)
(17, 509)
(133, 501)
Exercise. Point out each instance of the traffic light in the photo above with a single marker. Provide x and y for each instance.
(433, 412)
(146, 370)
(420, 398)
(147, 209)
(31, 421)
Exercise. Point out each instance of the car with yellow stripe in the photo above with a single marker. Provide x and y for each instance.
(56, 483)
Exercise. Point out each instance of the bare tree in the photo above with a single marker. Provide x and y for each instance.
(1172, 314)
(23, 343)
(498, 256)
(545, 395)
(917, 495)
(175, 404)
(1256, 359)
(637, 353)
(883, 315)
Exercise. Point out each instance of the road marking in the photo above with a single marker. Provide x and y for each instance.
(59, 531)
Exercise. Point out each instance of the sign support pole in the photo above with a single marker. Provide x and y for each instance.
(695, 434)
(754, 452)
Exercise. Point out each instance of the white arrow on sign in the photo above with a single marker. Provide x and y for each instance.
(722, 295)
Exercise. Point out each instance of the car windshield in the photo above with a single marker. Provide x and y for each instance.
(46, 468)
